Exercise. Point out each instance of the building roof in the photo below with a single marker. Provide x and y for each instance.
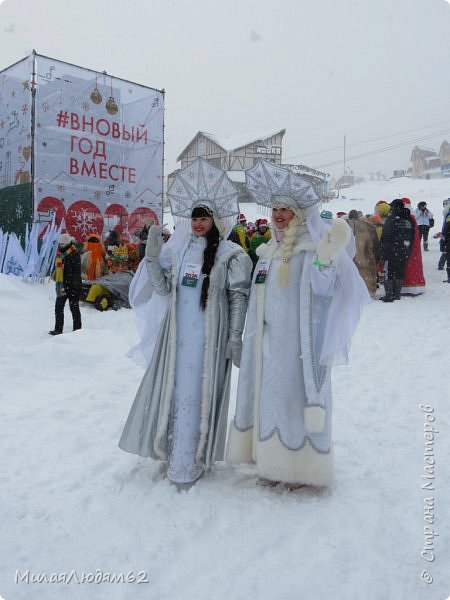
(231, 143)
(423, 151)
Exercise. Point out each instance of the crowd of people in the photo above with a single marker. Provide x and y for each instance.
(77, 262)
(389, 244)
(279, 300)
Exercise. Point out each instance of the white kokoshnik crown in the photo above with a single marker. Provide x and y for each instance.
(272, 186)
(201, 184)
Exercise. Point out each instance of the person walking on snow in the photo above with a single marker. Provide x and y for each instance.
(67, 277)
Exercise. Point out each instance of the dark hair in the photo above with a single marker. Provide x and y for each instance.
(209, 253)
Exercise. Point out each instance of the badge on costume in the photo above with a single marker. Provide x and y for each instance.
(191, 275)
(262, 271)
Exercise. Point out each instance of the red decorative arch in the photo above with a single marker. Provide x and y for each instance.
(83, 218)
(47, 206)
(138, 218)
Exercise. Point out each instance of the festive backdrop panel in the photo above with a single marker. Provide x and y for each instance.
(15, 146)
(98, 150)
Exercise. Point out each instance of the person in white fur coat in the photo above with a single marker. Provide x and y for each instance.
(304, 306)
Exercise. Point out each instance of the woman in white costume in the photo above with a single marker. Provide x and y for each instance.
(304, 306)
(180, 412)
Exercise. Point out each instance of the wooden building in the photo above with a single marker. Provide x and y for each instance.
(424, 162)
(444, 155)
(238, 153)
(235, 153)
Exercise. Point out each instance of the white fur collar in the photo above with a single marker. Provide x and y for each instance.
(273, 248)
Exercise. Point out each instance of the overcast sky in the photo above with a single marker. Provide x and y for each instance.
(321, 69)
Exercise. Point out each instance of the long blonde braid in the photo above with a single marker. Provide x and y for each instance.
(287, 250)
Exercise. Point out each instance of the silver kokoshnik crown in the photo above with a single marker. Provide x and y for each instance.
(202, 184)
(265, 181)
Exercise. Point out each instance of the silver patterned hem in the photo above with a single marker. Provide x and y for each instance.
(274, 430)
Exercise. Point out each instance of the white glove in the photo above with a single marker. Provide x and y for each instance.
(333, 242)
(154, 243)
(314, 419)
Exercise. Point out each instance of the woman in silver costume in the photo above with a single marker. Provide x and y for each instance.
(179, 415)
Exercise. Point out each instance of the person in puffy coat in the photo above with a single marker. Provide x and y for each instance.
(367, 250)
(425, 221)
(396, 242)
(67, 277)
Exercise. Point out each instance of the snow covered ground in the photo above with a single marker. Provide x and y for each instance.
(72, 502)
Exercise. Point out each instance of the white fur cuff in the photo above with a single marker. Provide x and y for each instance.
(314, 419)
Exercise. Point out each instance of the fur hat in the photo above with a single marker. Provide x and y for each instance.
(65, 239)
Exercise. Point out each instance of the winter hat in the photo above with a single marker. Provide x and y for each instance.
(93, 238)
(382, 209)
(326, 214)
(242, 218)
(399, 208)
(340, 214)
(65, 239)
(353, 215)
(262, 223)
(406, 202)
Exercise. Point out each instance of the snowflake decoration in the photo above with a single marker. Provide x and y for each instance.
(84, 222)
(85, 106)
(45, 106)
(24, 109)
(13, 94)
(19, 211)
(13, 267)
(97, 195)
(60, 187)
(127, 194)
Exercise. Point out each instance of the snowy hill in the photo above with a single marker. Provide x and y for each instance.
(72, 502)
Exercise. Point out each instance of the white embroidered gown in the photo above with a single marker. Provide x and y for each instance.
(184, 422)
